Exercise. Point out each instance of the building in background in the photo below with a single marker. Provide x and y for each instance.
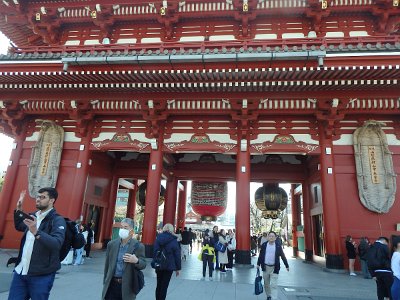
(95, 93)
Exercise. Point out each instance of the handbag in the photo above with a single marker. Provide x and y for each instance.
(220, 247)
(258, 287)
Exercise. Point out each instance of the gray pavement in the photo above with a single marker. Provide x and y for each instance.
(303, 282)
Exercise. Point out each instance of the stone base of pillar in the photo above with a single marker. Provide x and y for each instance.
(334, 261)
(243, 257)
(149, 251)
(295, 249)
(309, 255)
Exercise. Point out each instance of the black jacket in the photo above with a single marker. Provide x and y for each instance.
(170, 243)
(46, 250)
(278, 254)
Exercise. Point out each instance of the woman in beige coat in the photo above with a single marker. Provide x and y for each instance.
(223, 256)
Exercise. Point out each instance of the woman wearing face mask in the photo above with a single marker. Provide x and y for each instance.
(123, 256)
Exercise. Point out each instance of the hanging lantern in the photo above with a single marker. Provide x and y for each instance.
(141, 195)
(271, 200)
(209, 199)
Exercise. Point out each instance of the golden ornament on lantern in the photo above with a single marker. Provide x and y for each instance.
(163, 11)
(271, 200)
(396, 2)
(324, 4)
(245, 6)
(37, 17)
(93, 14)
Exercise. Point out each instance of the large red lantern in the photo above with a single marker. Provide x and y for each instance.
(209, 199)
(141, 194)
(271, 200)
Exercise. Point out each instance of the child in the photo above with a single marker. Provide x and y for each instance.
(207, 255)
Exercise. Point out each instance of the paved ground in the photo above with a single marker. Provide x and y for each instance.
(303, 282)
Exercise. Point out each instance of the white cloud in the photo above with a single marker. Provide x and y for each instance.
(4, 43)
(5, 151)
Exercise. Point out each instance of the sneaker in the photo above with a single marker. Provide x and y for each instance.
(211, 279)
(353, 274)
(222, 271)
(202, 278)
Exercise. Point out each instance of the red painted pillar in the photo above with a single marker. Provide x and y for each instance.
(295, 219)
(170, 201)
(9, 191)
(80, 180)
(130, 210)
(334, 259)
(182, 206)
(242, 221)
(109, 211)
(307, 229)
(152, 196)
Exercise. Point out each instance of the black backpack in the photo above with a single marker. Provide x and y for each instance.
(73, 239)
(160, 261)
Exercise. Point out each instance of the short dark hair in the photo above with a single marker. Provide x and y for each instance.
(272, 232)
(382, 238)
(53, 194)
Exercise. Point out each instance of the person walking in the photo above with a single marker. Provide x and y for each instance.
(79, 252)
(168, 240)
(124, 257)
(185, 243)
(395, 264)
(207, 256)
(39, 253)
(351, 254)
(214, 239)
(89, 239)
(379, 265)
(269, 260)
(362, 253)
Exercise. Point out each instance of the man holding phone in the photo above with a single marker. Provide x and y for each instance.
(39, 255)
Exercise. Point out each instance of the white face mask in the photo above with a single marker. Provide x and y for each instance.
(123, 233)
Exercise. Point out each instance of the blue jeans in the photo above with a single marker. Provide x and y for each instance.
(396, 289)
(24, 287)
(79, 259)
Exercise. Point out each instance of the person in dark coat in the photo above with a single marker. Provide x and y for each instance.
(381, 272)
(168, 240)
(269, 260)
(351, 254)
(362, 253)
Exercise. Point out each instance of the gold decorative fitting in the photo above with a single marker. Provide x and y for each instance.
(37, 17)
(163, 11)
(324, 4)
(245, 7)
(93, 14)
(396, 2)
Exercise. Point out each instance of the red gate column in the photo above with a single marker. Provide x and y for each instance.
(170, 201)
(182, 206)
(242, 221)
(152, 197)
(130, 210)
(295, 219)
(308, 251)
(109, 211)
(80, 180)
(334, 259)
(9, 184)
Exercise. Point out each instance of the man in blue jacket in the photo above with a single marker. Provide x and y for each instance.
(39, 255)
(269, 261)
